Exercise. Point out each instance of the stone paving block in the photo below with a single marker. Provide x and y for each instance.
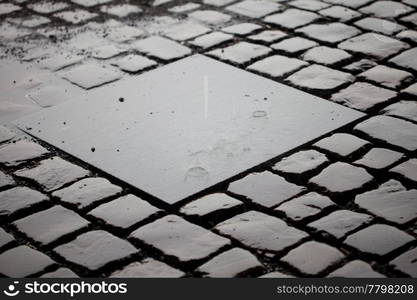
(241, 28)
(340, 13)
(6, 8)
(121, 10)
(176, 237)
(23, 261)
(124, 211)
(379, 25)
(341, 177)
(342, 144)
(294, 44)
(313, 5)
(5, 180)
(363, 96)
(312, 257)
(360, 65)
(5, 238)
(60, 273)
(410, 35)
(406, 59)
(386, 76)
(391, 130)
(407, 263)
(277, 65)
(330, 33)
(391, 202)
(320, 78)
(407, 169)
(6, 134)
(90, 75)
(87, 191)
(261, 232)
(124, 33)
(106, 51)
(18, 198)
(275, 274)
(185, 7)
(14, 154)
(49, 225)
(292, 18)
(211, 17)
(254, 8)
(241, 52)
(340, 223)
(386, 9)
(301, 162)
(378, 239)
(268, 36)
(374, 44)
(305, 206)
(89, 3)
(326, 55)
(134, 63)
(410, 19)
(209, 204)
(379, 158)
(53, 173)
(230, 264)
(95, 249)
(184, 31)
(211, 39)
(356, 269)
(147, 268)
(75, 16)
(161, 48)
(265, 188)
(218, 2)
(350, 3)
(30, 21)
(412, 89)
(59, 61)
(403, 109)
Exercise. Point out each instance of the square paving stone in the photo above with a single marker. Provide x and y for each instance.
(211, 121)
(210, 203)
(5, 180)
(5, 238)
(148, 268)
(95, 249)
(49, 225)
(265, 188)
(179, 238)
(378, 239)
(15, 153)
(312, 257)
(254, 8)
(23, 261)
(230, 264)
(407, 263)
(356, 269)
(18, 198)
(261, 232)
(124, 211)
(53, 173)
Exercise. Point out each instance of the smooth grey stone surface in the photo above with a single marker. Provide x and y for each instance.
(209, 122)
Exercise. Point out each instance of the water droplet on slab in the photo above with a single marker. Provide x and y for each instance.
(259, 114)
(196, 173)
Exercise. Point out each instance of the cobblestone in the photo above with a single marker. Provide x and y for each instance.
(265, 188)
(356, 269)
(60, 273)
(390, 201)
(301, 162)
(403, 109)
(406, 59)
(5, 180)
(277, 65)
(325, 55)
(49, 225)
(341, 177)
(407, 169)
(293, 45)
(292, 18)
(341, 144)
(176, 237)
(211, 39)
(5, 238)
(386, 76)
(313, 257)
(378, 239)
(23, 261)
(124, 212)
(95, 249)
(148, 268)
(261, 232)
(53, 173)
(209, 204)
(18, 198)
(15, 153)
(331, 33)
(254, 8)
(379, 158)
(241, 53)
(406, 262)
(161, 48)
(230, 264)
(87, 191)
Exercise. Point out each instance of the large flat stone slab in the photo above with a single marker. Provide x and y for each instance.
(184, 127)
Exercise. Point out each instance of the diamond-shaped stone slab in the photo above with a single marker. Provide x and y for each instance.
(210, 121)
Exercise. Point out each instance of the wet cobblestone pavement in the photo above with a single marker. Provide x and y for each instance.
(343, 204)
